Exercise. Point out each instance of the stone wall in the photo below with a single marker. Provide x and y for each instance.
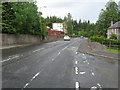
(11, 39)
(96, 46)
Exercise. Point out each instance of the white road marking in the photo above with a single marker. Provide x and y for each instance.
(99, 85)
(26, 85)
(36, 50)
(10, 58)
(64, 48)
(59, 53)
(82, 72)
(31, 80)
(76, 52)
(83, 54)
(88, 63)
(76, 70)
(36, 75)
(93, 73)
(77, 85)
(76, 62)
(93, 88)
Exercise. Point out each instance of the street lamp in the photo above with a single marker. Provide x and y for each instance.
(40, 21)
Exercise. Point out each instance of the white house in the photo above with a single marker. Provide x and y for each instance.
(57, 26)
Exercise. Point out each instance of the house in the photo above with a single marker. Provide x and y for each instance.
(53, 32)
(114, 29)
(59, 27)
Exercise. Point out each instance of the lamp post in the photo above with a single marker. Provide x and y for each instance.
(42, 36)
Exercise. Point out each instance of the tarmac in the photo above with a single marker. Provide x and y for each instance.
(85, 48)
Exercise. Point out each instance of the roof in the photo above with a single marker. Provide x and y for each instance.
(116, 25)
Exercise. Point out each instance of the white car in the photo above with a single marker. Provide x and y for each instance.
(66, 38)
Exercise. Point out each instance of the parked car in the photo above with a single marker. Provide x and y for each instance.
(66, 38)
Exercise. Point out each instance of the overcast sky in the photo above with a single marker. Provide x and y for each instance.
(80, 9)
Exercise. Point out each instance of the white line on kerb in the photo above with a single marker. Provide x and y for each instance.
(77, 85)
(10, 58)
(76, 70)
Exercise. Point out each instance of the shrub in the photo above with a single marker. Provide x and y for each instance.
(105, 41)
(113, 36)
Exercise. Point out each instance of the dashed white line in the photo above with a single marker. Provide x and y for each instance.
(26, 85)
(76, 70)
(77, 85)
(59, 53)
(31, 80)
(76, 62)
(99, 85)
(36, 50)
(10, 58)
(36, 75)
(76, 52)
(93, 88)
(93, 74)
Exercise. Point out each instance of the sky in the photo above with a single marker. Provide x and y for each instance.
(79, 9)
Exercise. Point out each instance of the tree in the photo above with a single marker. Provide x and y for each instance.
(8, 16)
(111, 13)
(69, 23)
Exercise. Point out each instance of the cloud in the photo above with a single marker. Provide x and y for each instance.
(80, 9)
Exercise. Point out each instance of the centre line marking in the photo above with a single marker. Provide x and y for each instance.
(76, 70)
(93, 74)
(76, 62)
(77, 85)
(99, 85)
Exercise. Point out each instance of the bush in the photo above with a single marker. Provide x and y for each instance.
(105, 41)
(113, 36)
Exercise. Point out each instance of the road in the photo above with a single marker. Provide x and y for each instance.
(57, 65)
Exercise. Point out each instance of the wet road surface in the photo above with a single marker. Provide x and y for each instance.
(57, 65)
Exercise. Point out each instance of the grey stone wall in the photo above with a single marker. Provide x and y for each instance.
(96, 46)
(11, 39)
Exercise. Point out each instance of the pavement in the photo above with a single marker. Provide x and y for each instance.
(85, 48)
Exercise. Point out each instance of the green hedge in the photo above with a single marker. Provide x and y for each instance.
(105, 41)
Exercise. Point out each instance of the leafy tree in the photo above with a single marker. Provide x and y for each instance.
(111, 13)
(69, 23)
(8, 16)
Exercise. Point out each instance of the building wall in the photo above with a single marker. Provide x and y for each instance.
(58, 26)
(113, 31)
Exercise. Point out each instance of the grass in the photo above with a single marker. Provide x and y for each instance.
(113, 50)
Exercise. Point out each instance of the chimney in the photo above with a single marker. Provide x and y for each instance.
(111, 23)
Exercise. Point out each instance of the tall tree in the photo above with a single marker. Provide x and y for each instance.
(69, 22)
(111, 13)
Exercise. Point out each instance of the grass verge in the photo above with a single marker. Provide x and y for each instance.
(113, 50)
